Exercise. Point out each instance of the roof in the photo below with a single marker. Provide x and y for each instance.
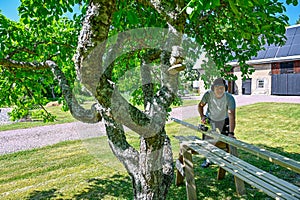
(290, 48)
(288, 52)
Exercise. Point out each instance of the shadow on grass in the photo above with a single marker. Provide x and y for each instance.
(117, 186)
(208, 187)
(43, 195)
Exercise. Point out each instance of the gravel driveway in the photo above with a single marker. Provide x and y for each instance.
(23, 139)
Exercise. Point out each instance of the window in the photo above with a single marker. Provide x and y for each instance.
(286, 67)
(260, 83)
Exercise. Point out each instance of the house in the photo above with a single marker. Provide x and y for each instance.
(277, 69)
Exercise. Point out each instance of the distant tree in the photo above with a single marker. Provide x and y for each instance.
(298, 21)
(111, 38)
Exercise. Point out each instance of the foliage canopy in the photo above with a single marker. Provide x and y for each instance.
(225, 30)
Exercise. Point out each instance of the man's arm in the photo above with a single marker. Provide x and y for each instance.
(231, 115)
(201, 111)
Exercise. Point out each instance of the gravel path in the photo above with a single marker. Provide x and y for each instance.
(23, 139)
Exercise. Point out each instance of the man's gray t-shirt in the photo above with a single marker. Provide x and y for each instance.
(218, 108)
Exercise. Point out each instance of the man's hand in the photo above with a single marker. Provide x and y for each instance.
(203, 120)
(231, 134)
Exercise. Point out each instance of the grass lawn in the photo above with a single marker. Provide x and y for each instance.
(88, 170)
(63, 117)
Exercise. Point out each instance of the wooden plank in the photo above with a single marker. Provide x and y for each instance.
(180, 167)
(262, 153)
(252, 179)
(239, 183)
(270, 184)
(179, 171)
(239, 186)
(182, 138)
(288, 187)
(221, 145)
(272, 180)
(284, 185)
(193, 137)
(221, 173)
(233, 150)
(189, 173)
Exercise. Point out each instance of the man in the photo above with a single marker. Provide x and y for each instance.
(220, 112)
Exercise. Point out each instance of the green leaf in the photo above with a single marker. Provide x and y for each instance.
(295, 2)
(233, 7)
(216, 3)
(288, 2)
(132, 19)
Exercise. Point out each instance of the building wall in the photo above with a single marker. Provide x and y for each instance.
(262, 73)
(297, 66)
(201, 88)
(275, 68)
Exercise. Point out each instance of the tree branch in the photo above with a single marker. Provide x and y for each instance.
(119, 145)
(77, 111)
(147, 84)
(9, 63)
(93, 35)
(122, 111)
(23, 49)
(35, 45)
(169, 14)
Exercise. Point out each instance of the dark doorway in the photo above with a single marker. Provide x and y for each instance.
(246, 86)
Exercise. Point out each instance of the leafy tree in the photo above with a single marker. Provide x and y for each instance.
(146, 38)
(298, 21)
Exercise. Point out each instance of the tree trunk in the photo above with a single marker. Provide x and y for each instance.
(156, 168)
(151, 169)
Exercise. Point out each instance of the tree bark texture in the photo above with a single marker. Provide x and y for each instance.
(93, 35)
(150, 167)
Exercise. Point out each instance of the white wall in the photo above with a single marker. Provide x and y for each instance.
(262, 73)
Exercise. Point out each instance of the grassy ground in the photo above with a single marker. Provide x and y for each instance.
(62, 117)
(88, 170)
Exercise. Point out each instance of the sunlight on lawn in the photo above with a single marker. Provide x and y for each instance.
(88, 169)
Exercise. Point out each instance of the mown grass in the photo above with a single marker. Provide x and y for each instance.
(88, 170)
(63, 117)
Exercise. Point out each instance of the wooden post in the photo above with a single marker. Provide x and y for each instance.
(179, 175)
(222, 172)
(189, 173)
(239, 184)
